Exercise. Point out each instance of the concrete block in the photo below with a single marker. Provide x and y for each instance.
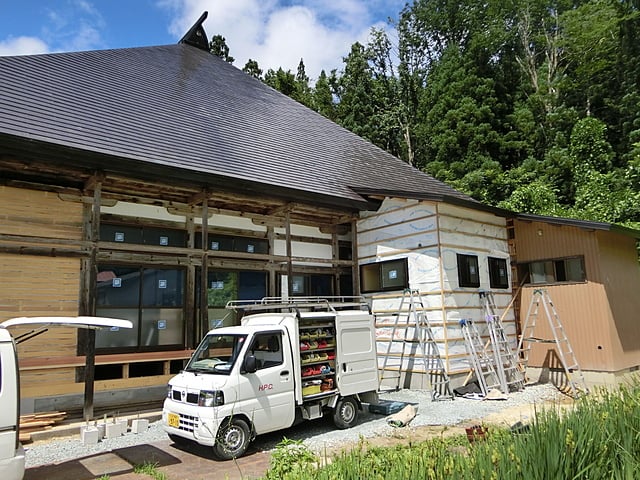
(88, 435)
(102, 427)
(124, 426)
(139, 425)
(113, 430)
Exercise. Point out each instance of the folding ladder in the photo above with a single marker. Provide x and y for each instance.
(507, 368)
(429, 352)
(575, 378)
(480, 359)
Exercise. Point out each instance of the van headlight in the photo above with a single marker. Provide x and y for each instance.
(208, 398)
(169, 391)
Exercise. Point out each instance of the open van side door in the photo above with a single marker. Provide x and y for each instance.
(357, 366)
(12, 459)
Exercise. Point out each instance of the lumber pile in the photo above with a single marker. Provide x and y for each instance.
(37, 422)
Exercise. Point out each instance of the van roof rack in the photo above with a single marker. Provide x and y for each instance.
(329, 304)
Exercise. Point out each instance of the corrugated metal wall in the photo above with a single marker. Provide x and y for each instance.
(621, 280)
(584, 308)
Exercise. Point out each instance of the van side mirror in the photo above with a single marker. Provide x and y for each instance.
(250, 364)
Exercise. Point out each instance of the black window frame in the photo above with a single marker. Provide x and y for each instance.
(556, 268)
(467, 278)
(496, 280)
(372, 278)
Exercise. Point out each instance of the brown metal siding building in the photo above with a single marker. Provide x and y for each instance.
(600, 312)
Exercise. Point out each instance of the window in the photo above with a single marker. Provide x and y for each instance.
(498, 273)
(267, 348)
(555, 271)
(226, 243)
(144, 235)
(468, 275)
(384, 276)
(311, 285)
(224, 286)
(151, 298)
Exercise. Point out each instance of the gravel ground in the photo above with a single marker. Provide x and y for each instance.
(318, 434)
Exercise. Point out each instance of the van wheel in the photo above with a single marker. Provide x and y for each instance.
(232, 440)
(345, 415)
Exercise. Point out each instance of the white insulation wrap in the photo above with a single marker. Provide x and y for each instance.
(431, 236)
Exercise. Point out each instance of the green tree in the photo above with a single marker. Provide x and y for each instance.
(302, 89)
(252, 68)
(323, 97)
(218, 46)
(284, 82)
(355, 93)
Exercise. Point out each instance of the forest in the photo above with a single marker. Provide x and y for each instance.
(528, 105)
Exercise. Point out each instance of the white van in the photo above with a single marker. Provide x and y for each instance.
(11, 451)
(12, 455)
(303, 359)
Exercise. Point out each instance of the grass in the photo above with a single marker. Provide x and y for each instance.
(599, 438)
(150, 469)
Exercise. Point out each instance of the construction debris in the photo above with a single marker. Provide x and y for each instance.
(37, 422)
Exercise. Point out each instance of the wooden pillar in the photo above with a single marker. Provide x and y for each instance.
(289, 254)
(272, 288)
(335, 255)
(92, 230)
(204, 269)
(189, 313)
(354, 257)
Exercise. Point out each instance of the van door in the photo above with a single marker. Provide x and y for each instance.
(357, 367)
(11, 454)
(268, 394)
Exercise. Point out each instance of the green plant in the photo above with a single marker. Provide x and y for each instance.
(291, 459)
(150, 469)
(598, 438)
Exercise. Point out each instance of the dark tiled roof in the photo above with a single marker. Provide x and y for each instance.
(183, 112)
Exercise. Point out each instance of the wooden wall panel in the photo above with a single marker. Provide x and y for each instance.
(39, 214)
(40, 285)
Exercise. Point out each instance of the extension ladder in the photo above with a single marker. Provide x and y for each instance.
(429, 352)
(563, 347)
(507, 368)
(481, 361)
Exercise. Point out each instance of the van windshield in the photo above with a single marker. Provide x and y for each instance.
(216, 354)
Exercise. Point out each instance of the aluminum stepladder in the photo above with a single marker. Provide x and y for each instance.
(509, 371)
(482, 362)
(430, 358)
(563, 347)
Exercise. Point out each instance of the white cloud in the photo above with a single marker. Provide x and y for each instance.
(275, 35)
(22, 46)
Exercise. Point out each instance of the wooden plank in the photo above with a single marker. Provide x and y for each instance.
(35, 391)
(43, 363)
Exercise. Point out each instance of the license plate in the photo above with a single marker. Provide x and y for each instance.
(173, 420)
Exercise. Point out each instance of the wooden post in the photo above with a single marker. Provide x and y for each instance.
(289, 264)
(354, 257)
(89, 373)
(90, 306)
(204, 269)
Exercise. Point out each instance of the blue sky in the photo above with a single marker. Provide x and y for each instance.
(276, 33)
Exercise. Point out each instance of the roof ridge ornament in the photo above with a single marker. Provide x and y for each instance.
(196, 36)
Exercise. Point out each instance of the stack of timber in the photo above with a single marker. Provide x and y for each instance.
(37, 422)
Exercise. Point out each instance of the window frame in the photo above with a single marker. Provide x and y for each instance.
(372, 276)
(495, 279)
(466, 277)
(558, 268)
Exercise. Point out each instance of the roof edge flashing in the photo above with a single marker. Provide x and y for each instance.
(196, 36)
